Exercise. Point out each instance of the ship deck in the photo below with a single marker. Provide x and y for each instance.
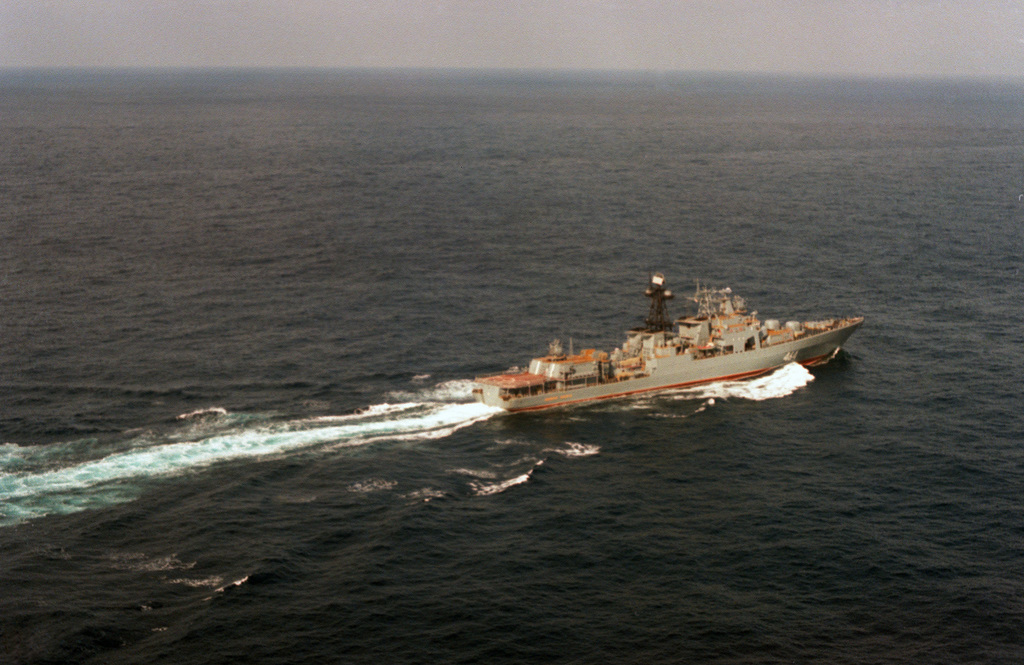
(513, 381)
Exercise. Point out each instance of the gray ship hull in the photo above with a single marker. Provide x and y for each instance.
(680, 370)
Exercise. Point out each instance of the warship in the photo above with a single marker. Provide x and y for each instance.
(721, 342)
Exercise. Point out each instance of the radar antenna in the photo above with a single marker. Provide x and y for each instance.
(657, 320)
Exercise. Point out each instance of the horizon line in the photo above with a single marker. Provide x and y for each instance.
(517, 71)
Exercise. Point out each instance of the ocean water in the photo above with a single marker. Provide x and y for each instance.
(241, 313)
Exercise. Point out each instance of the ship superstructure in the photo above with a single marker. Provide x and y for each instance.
(722, 341)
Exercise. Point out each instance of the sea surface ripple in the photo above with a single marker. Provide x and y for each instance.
(242, 313)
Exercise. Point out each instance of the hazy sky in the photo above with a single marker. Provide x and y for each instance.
(862, 37)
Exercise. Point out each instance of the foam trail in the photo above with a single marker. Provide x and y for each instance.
(575, 450)
(374, 410)
(456, 390)
(239, 582)
(372, 485)
(31, 494)
(487, 489)
(215, 410)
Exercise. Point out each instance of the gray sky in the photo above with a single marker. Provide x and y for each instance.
(861, 37)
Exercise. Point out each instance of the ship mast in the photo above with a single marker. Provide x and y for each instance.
(657, 320)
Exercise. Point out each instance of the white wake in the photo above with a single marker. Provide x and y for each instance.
(39, 480)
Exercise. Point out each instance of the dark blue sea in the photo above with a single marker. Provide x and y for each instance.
(240, 313)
